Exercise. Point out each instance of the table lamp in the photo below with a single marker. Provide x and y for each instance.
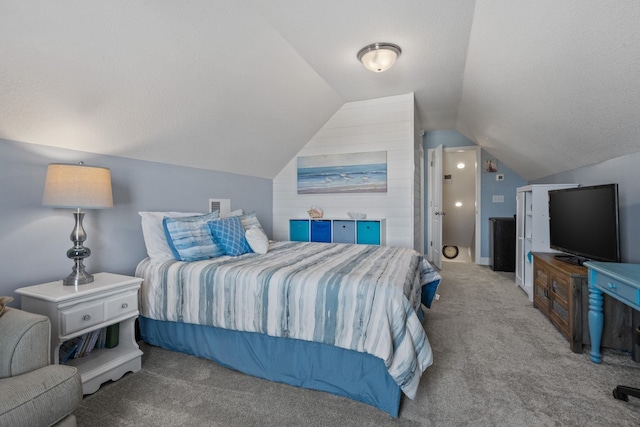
(78, 187)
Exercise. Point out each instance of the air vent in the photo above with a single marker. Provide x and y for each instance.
(222, 205)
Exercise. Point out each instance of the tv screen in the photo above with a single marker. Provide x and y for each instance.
(583, 222)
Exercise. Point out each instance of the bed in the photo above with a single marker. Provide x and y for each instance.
(345, 319)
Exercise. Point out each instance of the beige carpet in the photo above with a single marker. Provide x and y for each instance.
(498, 362)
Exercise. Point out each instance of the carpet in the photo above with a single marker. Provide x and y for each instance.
(497, 362)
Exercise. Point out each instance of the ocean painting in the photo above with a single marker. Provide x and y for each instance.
(343, 173)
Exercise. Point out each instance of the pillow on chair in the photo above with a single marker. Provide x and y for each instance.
(3, 302)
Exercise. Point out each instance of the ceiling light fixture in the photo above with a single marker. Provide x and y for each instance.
(379, 57)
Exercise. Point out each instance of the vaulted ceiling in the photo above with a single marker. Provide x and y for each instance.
(241, 86)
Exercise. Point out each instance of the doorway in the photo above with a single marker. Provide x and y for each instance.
(459, 204)
(459, 213)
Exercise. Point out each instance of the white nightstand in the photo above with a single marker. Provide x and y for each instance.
(74, 311)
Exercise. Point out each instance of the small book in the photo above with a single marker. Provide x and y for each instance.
(67, 349)
(102, 338)
(92, 342)
(85, 342)
(113, 333)
(81, 340)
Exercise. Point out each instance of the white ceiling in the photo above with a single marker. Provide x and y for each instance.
(241, 86)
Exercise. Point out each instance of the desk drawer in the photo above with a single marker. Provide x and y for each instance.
(623, 291)
(81, 316)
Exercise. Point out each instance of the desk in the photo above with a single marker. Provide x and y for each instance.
(618, 280)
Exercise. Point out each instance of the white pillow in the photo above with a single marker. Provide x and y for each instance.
(237, 212)
(257, 240)
(154, 237)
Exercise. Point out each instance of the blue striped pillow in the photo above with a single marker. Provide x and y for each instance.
(190, 238)
(250, 220)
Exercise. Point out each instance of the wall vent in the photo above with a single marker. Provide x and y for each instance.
(222, 205)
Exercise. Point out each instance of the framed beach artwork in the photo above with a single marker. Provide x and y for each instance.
(343, 173)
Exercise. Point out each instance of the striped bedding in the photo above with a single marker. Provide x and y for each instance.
(357, 297)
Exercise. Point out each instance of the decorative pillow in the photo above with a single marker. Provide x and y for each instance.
(190, 239)
(258, 241)
(3, 302)
(237, 212)
(229, 233)
(154, 237)
(250, 220)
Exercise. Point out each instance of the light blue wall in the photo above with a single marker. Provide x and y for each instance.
(34, 239)
(446, 138)
(624, 171)
(488, 185)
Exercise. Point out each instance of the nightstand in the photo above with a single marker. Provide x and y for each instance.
(75, 311)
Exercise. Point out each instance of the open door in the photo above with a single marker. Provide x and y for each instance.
(435, 207)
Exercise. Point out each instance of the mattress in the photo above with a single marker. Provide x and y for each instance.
(356, 297)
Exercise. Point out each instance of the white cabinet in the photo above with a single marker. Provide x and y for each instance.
(532, 229)
(78, 310)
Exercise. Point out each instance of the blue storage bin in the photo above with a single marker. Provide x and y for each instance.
(299, 230)
(321, 231)
(344, 231)
(368, 233)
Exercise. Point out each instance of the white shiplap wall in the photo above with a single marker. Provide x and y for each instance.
(418, 179)
(383, 124)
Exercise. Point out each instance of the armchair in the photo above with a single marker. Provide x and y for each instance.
(32, 391)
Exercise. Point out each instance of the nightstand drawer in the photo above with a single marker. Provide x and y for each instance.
(81, 316)
(127, 303)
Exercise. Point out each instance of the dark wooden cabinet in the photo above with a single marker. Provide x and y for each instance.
(561, 293)
(557, 288)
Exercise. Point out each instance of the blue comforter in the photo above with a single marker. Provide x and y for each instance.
(358, 297)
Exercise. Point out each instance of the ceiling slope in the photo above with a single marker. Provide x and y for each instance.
(433, 35)
(241, 87)
(188, 83)
(551, 86)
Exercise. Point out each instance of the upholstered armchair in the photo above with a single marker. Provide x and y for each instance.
(33, 392)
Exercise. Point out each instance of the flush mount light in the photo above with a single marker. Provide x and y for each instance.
(460, 165)
(458, 204)
(379, 57)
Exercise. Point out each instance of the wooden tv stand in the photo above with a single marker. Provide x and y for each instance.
(561, 293)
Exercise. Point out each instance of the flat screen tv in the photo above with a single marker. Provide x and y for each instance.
(583, 223)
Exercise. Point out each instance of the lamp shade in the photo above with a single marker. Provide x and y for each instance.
(379, 57)
(77, 186)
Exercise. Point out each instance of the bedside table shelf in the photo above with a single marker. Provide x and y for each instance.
(75, 311)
